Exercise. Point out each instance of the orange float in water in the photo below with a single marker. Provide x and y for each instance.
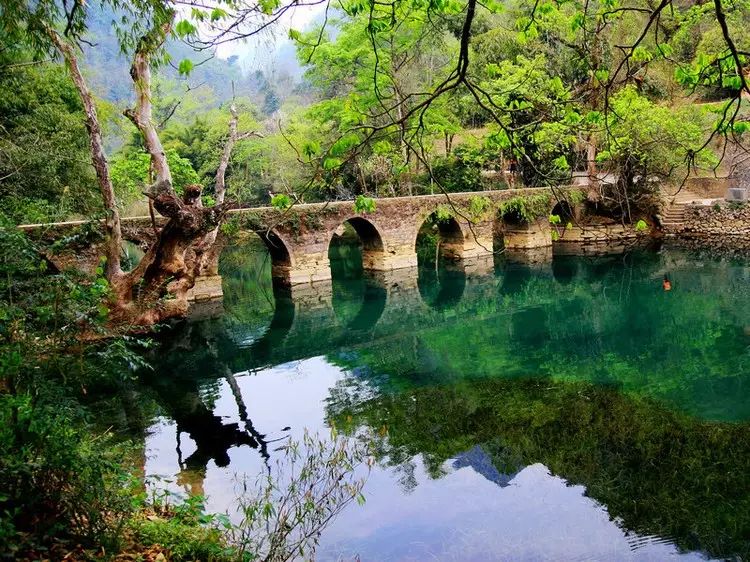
(667, 284)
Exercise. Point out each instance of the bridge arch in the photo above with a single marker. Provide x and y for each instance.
(370, 241)
(442, 289)
(131, 253)
(447, 234)
(564, 210)
(260, 352)
(282, 260)
(360, 305)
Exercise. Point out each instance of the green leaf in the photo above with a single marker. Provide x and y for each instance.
(281, 201)
(641, 54)
(577, 21)
(494, 6)
(732, 82)
(310, 149)
(185, 28)
(268, 6)
(198, 15)
(218, 14)
(665, 49)
(561, 163)
(332, 163)
(342, 145)
(364, 204)
(186, 66)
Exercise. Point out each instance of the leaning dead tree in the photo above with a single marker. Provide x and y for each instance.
(185, 247)
(158, 287)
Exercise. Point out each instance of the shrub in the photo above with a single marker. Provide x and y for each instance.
(183, 530)
(525, 208)
(321, 477)
(460, 171)
(364, 204)
(281, 201)
(58, 480)
(478, 206)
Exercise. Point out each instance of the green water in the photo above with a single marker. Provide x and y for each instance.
(567, 410)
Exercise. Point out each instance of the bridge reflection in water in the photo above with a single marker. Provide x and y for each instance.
(264, 323)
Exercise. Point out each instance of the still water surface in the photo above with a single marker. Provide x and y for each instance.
(565, 411)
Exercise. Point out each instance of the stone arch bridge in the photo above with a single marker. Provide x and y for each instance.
(298, 238)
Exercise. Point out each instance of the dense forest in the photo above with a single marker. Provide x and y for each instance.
(563, 90)
(125, 107)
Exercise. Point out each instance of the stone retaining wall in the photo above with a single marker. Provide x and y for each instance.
(721, 225)
(598, 239)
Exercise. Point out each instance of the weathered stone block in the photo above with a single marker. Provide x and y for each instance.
(206, 288)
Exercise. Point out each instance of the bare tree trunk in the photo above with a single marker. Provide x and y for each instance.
(404, 147)
(593, 183)
(221, 171)
(593, 191)
(141, 116)
(112, 230)
(209, 248)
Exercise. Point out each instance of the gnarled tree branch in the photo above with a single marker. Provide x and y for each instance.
(141, 116)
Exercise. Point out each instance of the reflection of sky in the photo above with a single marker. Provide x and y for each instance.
(461, 516)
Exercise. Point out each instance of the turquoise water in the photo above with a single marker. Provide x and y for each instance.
(557, 411)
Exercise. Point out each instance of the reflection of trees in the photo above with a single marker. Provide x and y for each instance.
(609, 322)
(441, 381)
(213, 438)
(247, 284)
(182, 400)
(595, 378)
(610, 326)
(661, 472)
(345, 255)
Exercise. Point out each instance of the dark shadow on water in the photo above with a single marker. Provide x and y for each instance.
(515, 277)
(281, 323)
(358, 298)
(564, 269)
(442, 289)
